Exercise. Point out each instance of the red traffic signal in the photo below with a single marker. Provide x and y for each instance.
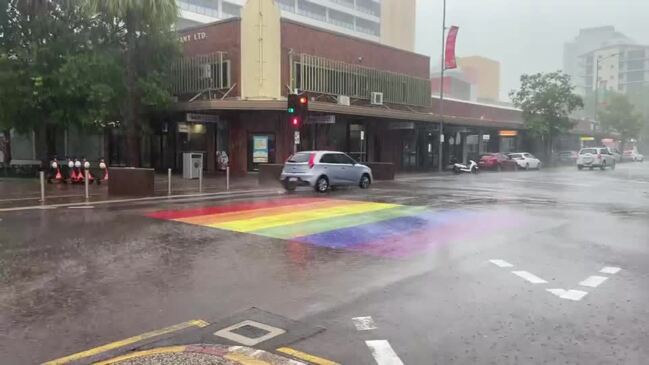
(298, 109)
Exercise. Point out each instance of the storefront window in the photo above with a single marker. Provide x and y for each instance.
(357, 142)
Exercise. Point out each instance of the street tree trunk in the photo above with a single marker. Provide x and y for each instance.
(7, 147)
(131, 118)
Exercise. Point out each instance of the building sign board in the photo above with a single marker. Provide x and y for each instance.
(198, 36)
(260, 149)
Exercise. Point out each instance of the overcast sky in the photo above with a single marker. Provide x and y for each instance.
(526, 36)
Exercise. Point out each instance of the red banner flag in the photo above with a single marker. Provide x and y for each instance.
(449, 58)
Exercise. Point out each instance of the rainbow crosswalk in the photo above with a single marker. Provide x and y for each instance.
(376, 228)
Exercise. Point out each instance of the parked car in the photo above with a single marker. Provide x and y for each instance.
(595, 157)
(568, 157)
(526, 160)
(633, 156)
(616, 154)
(497, 161)
(324, 169)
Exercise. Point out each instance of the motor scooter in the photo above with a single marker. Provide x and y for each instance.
(471, 167)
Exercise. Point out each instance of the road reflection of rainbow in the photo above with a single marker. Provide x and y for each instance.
(377, 228)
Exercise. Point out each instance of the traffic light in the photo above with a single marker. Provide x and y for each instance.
(298, 109)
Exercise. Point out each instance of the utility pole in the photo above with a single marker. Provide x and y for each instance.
(441, 92)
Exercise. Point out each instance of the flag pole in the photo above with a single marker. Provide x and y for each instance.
(441, 92)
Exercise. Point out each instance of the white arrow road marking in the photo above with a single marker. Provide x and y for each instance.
(575, 295)
(593, 281)
(501, 263)
(383, 353)
(529, 277)
(364, 323)
(610, 270)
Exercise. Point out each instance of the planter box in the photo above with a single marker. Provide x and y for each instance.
(130, 181)
(381, 170)
(270, 173)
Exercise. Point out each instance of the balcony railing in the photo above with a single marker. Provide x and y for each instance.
(325, 76)
(193, 75)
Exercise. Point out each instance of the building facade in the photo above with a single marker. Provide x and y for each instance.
(620, 68)
(589, 40)
(387, 21)
(484, 73)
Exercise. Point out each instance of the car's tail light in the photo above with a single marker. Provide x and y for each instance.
(311, 160)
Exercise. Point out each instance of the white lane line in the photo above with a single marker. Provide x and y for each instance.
(575, 295)
(610, 270)
(501, 263)
(593, 281)
(383, 353)
(529, 277)
(364, 323)
(82, 207)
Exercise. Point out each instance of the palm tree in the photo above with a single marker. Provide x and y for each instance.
(135, 17)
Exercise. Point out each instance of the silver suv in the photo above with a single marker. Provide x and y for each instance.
(595, 157)
(324, 169)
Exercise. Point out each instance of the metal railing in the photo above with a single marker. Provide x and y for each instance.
(325, 76)
(205, 72)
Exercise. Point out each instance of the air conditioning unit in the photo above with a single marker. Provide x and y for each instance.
(344, 100)
(377, 98)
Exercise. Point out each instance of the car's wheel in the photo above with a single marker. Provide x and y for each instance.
(365, 182)
(288, 186)
(580, 167)
(322, 184)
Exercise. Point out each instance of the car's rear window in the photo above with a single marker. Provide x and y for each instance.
(516, 155)
(588, 150)
(299, 158)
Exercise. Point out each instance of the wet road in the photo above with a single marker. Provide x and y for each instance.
(497, 268)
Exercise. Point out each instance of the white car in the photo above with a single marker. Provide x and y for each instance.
(616, 154)
(324, 169)
(526, 160)
(595, 157)
(632, 155)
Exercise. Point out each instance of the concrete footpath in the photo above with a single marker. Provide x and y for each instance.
(22, 192)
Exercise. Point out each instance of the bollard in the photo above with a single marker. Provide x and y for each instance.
(86, 174)
(227, 178)
(42, 175)
(200, 181)
(168, 181)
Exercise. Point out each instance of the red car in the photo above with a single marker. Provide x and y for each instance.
(497, 161)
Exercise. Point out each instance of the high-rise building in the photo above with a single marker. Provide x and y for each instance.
(619, 68)
(588, 40)
(390, 22)
(484, 73)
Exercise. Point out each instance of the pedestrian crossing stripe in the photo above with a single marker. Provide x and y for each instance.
(382, 229)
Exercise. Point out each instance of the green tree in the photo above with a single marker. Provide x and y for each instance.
(547, 101)
(143, 29)
(618, 115)
(39, 38)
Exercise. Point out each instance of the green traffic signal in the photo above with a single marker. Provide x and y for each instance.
(291, 110)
